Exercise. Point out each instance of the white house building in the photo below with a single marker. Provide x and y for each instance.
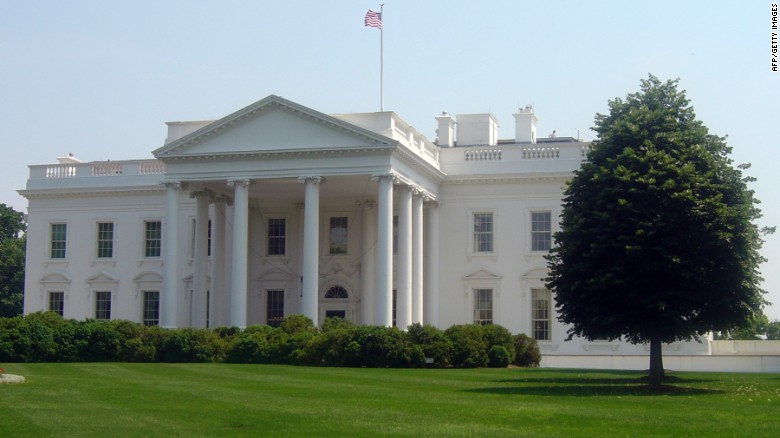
(278, 209)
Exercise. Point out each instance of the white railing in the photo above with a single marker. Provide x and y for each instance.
(482, 155)
(106, 169)
(541, 153)
(98, 169)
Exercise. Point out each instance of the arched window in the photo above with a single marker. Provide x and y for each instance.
(336, 292)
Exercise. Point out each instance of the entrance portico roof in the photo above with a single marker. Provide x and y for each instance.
(273, 126)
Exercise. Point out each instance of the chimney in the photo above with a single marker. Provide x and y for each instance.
(525, 125)
(446, 131)
(477, 129)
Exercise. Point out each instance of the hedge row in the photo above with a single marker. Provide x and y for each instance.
(46, 337)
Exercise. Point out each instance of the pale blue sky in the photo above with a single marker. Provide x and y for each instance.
(99, 79)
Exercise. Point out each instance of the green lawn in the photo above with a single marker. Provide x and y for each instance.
(119, 399)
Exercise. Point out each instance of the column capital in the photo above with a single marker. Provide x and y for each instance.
(200, 193)
(239, 182)
(311, 179)
(220, 199)
(381, 176)
(176, 185)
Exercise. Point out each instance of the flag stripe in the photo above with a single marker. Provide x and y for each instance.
(373, 19)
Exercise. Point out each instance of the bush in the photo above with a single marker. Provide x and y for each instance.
(496, 335)
(469, 349)
(29, 339)
(433, 343)
(96, 341)
(192, 345)
(249, 347)
(498, 357)
(526, 351)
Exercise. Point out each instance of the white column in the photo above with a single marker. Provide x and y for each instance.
(417, 259)
(311, 248)
(238, 274)
(201, 259)
(384, 251)
(368, 263)
(170, 251)
(217, 295)
(403, 312)
(431, 305)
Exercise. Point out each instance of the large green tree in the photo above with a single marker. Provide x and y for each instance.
(12, 249)
(657, 241)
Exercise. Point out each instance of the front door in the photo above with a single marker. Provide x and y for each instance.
(336, 314)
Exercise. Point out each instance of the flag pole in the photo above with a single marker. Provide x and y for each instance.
(381, 58)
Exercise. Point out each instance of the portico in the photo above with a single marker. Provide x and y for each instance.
(305, 203)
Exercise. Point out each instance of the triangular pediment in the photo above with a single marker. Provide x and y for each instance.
(103, 277)
(536, 274)
(482, 275)
(273, 125)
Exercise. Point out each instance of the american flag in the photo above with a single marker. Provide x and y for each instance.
(373, 19)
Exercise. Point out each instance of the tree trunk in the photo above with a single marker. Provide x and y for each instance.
(656, 361)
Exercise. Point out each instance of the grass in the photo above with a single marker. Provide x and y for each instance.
(119, 399)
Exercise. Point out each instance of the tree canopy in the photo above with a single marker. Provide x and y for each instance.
(12, 253)
(657, 240)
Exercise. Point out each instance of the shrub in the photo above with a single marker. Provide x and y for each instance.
(498, 357)
(327, 348)
(433, 343)
(28, 339)
(96, 341)
(526, 351)
(495, 334)
(249, 347)
(469, 349)
(192, 345)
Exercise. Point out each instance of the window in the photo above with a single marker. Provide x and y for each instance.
(58, 240)
(152, 238)
(338, 235)
(275, 308)
(337, 292)
(151, 310)
(483, 306)
(540, 314)
(105, 240)
(483, 232)
(57, 303)
(541, 231)
(103, 306)
(277, 237)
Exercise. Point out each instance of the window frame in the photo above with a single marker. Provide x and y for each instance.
(479, 293)
(102, 243)
(274, 307)
(279, 241)
(60, 310)
(60, 243)
(331, 229)
(147, 240)
(474, 240)
(146, 309)
(534, 233)
(104, 297)
(541, 333)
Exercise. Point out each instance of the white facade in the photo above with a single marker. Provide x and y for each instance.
(278, 209)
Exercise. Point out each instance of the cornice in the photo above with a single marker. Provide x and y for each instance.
(503, 179)
(79, 192)
(419, 163)
(280, 153)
